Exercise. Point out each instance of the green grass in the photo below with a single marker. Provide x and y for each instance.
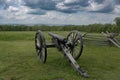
(18, 60)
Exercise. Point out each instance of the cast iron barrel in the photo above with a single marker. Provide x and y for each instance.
(58, 37)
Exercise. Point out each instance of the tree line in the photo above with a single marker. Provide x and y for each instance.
(85, 28)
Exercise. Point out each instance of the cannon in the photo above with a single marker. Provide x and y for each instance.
(70, 46)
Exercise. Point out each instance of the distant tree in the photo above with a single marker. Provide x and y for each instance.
(117, 21)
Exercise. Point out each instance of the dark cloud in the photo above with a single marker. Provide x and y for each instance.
(79, 3)
(65, 6)
(67, 10)
(117, 1)
(104, 10)
(75, 6)
(108, 7)
(99, 1)
(3, 5)
(71, 7)
(37, 12)
(42, 4)
(1, 17)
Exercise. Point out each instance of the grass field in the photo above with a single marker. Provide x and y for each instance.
(18, 60)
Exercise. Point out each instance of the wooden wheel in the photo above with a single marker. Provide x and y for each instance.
(75, 44)
(40, 46)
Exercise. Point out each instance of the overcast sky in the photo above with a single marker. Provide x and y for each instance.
(75, 12)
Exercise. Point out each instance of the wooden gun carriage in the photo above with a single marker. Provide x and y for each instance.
(71, 47)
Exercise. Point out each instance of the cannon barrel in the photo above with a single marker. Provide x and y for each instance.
(58, 37)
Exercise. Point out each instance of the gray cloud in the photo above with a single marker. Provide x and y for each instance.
(117, 1)
(72, 6)
(1, 17)
(105, 7)
(79, 3)
(5, 4)
(59, 11)
(99, 1)
(42, 4)
(37, 12)
(40, 7)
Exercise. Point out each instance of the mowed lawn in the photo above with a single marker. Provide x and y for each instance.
(18, 60)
